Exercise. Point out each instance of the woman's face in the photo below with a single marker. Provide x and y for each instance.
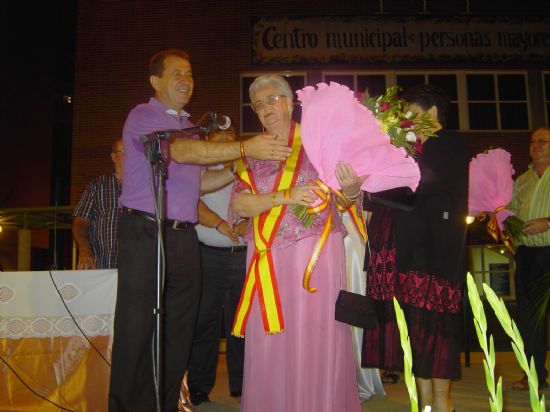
(419, 111)
(270, 111)
(415, 108)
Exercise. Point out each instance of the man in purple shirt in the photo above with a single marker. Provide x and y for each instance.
(132, 386)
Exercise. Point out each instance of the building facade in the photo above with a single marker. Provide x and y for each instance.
(493, 59)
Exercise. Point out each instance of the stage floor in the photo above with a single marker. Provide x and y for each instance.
(469, 394)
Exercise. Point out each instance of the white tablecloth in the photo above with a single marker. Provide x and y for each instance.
(31, 303)
(42, 347)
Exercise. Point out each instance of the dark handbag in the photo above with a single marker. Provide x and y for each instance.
(354, 309)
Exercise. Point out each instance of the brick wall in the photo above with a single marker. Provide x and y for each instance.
(116, 38)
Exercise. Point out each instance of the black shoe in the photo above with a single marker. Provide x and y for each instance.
(198, 397)
(235, 394)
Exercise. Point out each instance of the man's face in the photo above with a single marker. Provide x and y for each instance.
(117, 156)
(539, 147)
(174, 87)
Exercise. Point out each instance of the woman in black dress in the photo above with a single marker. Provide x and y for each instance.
(420, 255)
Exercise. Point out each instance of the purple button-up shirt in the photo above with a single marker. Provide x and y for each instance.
(183, 180)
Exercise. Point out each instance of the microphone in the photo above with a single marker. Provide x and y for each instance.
(208, 123)
(223, 122)
(211, 121)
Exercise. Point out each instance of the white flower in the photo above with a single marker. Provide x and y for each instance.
(410, 136)
(409, 115)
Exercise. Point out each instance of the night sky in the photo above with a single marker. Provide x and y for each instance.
(38, 47)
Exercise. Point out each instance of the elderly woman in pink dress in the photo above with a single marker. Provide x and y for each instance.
(297, 357)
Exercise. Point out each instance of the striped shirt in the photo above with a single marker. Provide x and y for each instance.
(531, 200)
(99, 205)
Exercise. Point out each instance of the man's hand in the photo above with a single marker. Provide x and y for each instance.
(535, 226)
(86, 260)
(226, 230)
(267, 147)
(240, 228)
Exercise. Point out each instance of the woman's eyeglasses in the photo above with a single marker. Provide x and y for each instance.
(268, 101)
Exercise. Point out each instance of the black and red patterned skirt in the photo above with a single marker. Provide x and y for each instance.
(432, 308)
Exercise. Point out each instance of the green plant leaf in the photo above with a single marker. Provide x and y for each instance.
(488, 348)
(510, 328)
(407, 361)
(499, 391)
(539, 301)
(302, 215)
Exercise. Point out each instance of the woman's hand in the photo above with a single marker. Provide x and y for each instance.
(298, 195)
(348, 179)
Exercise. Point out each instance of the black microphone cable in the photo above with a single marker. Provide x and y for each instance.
(5, 362)
(31, 389)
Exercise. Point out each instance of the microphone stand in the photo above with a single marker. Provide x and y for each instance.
(158, 157)
(154, 153)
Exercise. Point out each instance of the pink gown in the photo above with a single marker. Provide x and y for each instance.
(309, 367)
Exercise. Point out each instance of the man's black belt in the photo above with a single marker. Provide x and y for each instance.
(231, 249)
(173, 224)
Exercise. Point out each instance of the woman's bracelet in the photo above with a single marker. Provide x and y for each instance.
(287, 193)
(219, 223)
(241, 146)
(273, 195)
(354, 197)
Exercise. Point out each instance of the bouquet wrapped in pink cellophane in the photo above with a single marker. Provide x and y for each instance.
(336, 127)
(490, 190)
(491, 185)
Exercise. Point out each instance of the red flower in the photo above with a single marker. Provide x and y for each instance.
(384, 106)
(406, 123)
(417, 146)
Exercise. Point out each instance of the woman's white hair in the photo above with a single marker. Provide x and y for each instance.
(271, 79)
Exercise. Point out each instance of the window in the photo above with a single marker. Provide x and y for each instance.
(480, 100)
(249, 121)
(490, 265)
(546, 83)
(497, 101)
(445, 81)
(374, 84)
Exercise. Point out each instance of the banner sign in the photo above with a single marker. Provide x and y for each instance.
(389, 40)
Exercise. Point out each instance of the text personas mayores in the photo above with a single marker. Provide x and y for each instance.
(274, 38)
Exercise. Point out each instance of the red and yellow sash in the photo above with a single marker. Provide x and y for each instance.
(358, 221)
(327, 196)
(261, 277)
